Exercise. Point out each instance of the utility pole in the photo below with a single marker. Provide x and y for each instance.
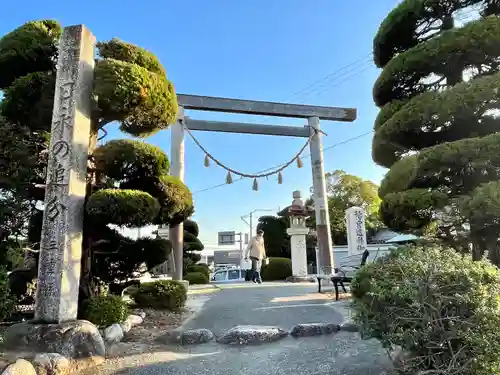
(241, 248)
(250, 215)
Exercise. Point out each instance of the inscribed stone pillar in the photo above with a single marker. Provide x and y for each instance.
(297, 233)
(356, 232)
(61, 243)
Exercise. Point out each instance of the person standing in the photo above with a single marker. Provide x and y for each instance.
(257, 252)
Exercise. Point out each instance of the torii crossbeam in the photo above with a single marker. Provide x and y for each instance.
(251, 107)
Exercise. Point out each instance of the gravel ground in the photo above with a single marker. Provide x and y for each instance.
(143, 338)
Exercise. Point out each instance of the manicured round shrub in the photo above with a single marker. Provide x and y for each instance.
(198, 268)
(441, 307)
(276, 269)
(123, 207)
(161, 295)
(104, 311)
(196, 278)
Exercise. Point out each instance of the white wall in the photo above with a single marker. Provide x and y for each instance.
(341, 256)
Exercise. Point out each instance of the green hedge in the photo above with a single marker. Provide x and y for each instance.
(104, 311)
(161, 295)
(440, 307)
(197, 278)
(277, 269)
(198, 268)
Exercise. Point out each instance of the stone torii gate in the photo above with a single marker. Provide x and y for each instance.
(312, 113)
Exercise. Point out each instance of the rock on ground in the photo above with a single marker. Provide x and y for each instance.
(51, 364)
(314, 329)
(135, 320)
(196, 336)
(245, 335)
(126, 326)
(73, 340)
(114, 333)
(20, 367)
(349, 327)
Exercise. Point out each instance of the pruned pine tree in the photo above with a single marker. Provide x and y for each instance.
(437, 129)
(128, 182)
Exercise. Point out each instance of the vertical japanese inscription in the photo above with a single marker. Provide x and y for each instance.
(356, 232)
(64, 195)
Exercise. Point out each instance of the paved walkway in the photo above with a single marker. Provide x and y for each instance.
(283, 306)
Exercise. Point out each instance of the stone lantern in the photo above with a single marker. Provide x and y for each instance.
(298, 214)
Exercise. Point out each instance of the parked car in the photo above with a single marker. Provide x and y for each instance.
(228, 275)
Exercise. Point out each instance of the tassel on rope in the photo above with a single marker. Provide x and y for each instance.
(280, 178)
(299, 162)
(207, 161)
(229, 178)
(255, 186)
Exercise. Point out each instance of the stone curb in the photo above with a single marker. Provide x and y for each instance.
(116, 332)
(47, 364)
(55, 363)
(251, 335)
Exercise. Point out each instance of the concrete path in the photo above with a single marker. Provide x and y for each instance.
(281, 305)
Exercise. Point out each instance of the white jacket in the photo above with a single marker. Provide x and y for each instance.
(256, 248)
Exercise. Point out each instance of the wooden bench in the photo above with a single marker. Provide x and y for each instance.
(340, 277)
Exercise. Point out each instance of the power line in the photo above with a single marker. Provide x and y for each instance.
(277, 166)
(329, 76)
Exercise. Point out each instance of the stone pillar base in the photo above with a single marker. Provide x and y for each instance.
(300, 279)
(74, 340)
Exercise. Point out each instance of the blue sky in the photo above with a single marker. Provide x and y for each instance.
(270, 50)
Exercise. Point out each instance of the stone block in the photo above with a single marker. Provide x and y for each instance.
(20, 367)
(314, 329)
(196, 336)
(51, 364)
(248, 335)
(126, 326)
(135, 320)
(349, 327)
(113, 333)
(73, 340)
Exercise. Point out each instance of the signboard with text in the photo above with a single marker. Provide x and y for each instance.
(226, 238)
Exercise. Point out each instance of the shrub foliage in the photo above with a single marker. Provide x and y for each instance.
(440, 307)
(196, 277)
(104, 311)
(276, 269)
(162, 295)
